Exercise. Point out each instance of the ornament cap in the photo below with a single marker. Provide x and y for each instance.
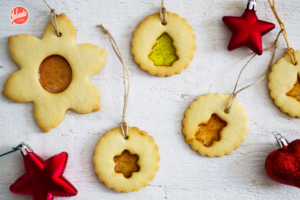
(251, 5)
(281, 141)
(25, 148)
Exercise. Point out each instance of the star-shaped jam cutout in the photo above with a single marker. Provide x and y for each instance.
(247, 30)
(126, 163)
(210, 131)
(44, 179)
(295, 92)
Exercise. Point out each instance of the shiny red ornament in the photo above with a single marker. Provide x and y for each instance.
(44, 178)
(247, 30)
(283, 165)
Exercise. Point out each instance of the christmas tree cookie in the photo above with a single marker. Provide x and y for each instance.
(163, 53)
(163, 49)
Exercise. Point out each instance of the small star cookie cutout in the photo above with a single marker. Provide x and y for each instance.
(126, 163)
(54, 73)
(210, 131)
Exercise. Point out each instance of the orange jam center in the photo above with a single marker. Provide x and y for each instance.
(210, 131)
(295, 92)
(126, 164)
(55, 74)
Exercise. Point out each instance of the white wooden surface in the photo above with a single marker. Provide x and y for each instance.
(156, 105)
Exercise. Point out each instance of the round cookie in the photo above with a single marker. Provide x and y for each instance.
(54, 89)
(209, 130)
(284, 85)
(141, 151)
(147, 36)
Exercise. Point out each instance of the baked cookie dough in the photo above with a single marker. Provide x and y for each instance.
(284, 85)
(126, 164)
(209, 130)
(54, 73)
(163, 50)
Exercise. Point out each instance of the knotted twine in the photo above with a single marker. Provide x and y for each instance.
(289, 50)
(163, 13)
(53, 16)
(234, 93)
(124, 126)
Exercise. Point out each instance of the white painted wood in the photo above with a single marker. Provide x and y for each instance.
(156, 105)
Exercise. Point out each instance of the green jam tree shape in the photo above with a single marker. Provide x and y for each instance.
(163, 53)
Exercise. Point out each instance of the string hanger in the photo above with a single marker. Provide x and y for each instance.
(14, 149)
(163, 13)
(234, 93)
(124, 126)
(289, 50)
(53, 16)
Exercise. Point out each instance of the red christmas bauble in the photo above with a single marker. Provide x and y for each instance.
(283, 165)
(44, 178)
(247, 30)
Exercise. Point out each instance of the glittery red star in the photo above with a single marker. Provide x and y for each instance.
(247, 30)
(43, 179)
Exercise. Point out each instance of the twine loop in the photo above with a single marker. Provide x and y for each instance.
(53, 16)
(13, 150)
(124, 126)
(230, 103)
(289, 50)
(292, 54)
(163, 13)
(234, 93)
(276, 44)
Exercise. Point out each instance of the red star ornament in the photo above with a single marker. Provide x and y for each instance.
(247, 30)
(43, 179)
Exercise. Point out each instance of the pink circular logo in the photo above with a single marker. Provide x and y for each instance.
(19, 15)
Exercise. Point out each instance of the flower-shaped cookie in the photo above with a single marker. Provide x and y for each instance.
(54, 73)
(211, 131)
(126, 164)
(284, 85)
